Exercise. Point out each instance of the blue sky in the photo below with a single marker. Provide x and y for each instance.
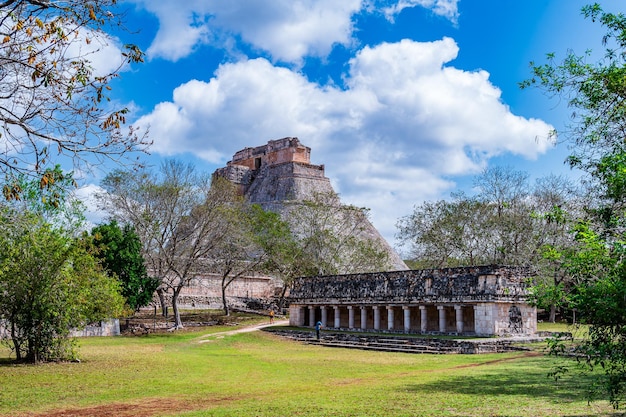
(402, 101)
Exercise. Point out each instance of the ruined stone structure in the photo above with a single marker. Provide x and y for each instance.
(204, 292)
(482, 300)
(279, 172)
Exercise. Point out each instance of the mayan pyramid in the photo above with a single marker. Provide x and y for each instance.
(280, 172)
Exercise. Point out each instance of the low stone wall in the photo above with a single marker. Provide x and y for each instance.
(104, 328)
(205, 292)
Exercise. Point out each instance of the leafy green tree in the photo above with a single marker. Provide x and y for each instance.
(119, 250)
(50, 283)
(54, 101)
(448, 233)
(595, 92)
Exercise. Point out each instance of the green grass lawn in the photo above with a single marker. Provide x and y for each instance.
(259, 374)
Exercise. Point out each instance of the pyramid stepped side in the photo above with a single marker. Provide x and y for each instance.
(280, 173)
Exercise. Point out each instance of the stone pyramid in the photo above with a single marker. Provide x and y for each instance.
(281, 172)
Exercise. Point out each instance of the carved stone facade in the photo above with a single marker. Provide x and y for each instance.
(482, 300)
(279, 173)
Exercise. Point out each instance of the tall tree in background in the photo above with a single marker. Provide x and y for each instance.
(448, 233)
(334, 237)
(119, 250)
(284, 255)
(53, 100)
(556, 205)
(505, 192)
(595, 92)
(238, 252)
(178, 216)
(503, 224)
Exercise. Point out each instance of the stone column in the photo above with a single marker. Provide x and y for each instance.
(363, 317)
(350, 317)
(442, 319)
(407, 318)
(298, 317)
(324, 319)
(390, 318)
(376, 317)
(337, 317)
(312, 316)
(458, 312)
(423, 319)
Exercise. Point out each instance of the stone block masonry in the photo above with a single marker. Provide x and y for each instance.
(480, 300)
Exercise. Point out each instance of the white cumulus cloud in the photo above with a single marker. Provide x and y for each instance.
(288, 30)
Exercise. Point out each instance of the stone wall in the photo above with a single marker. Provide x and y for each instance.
(288, 182)
(205, 292)
(103, 328)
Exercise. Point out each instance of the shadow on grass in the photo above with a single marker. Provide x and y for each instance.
(527, 378)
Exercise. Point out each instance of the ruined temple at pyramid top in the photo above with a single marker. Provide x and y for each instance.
(277, 172)
(281, 171)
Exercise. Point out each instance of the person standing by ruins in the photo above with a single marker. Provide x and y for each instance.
(318, 326)
(271, 316)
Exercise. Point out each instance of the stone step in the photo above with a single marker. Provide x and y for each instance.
(387, 348)
(407, 345)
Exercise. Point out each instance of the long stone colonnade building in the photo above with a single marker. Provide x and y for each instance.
(481, 300)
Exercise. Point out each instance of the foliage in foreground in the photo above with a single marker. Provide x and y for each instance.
(54, 97)
(50, 284)
(595, 90)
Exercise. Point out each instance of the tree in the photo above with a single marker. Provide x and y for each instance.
(556, 205)
(53, 101)
(119, 250)
(334, 237)
(448, 233)
(237, 253)
(496, 226)
(284, 255)
(595, 91)
(50, 284)
(177, 215)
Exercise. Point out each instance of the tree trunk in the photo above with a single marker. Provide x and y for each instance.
(16, 343)
(178, 323)
(31, 355)
(552, 318)
(161, 295)
(224, 301)
(281, 300)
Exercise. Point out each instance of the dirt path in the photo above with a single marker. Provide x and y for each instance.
(220, 335)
